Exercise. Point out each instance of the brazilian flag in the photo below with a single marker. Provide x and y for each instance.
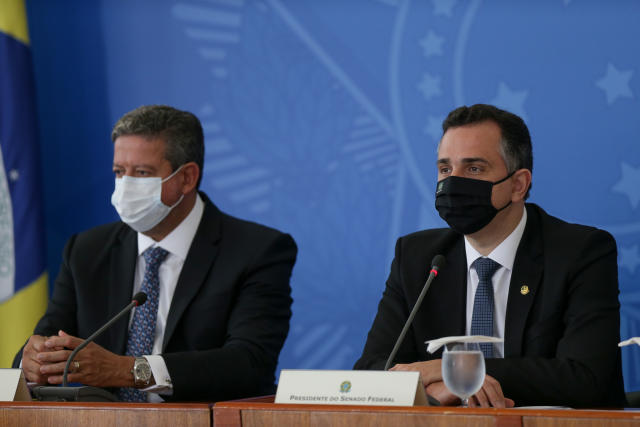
(23, 279)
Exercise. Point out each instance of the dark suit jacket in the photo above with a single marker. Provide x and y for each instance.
(560, 339)
(229, 315)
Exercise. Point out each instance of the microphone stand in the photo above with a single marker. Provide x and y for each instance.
(409, 321)
(84, 393)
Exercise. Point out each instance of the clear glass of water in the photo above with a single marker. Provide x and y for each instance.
(463, 369)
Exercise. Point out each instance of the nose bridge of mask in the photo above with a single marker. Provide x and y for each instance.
(148, 183)
(459, 185)
(143, 186)
(132, 186)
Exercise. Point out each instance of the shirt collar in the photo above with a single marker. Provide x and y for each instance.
(505, 253)
(179, 240)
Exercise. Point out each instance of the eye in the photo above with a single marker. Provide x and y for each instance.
(118, 172)
(444, 170)
(143, 172)
(475, 169)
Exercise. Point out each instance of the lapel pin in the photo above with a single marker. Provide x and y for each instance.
(524, 289)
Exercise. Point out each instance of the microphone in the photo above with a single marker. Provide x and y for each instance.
(85, 393)
(437, 263)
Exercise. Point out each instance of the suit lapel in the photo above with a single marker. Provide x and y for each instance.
(454, 291)
(443, 312)
(202, 253)
(525, 282)
(123, 264)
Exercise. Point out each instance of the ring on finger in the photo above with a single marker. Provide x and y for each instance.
(76, 366)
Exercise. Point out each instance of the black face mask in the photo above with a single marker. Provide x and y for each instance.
(465, 203)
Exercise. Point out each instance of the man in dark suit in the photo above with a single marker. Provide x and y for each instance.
(551, 291)
(218, 305)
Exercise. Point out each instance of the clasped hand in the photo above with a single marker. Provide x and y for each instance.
(431, 375)
(44, 360)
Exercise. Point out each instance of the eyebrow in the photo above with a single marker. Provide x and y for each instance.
(145, 166)
(466, 160)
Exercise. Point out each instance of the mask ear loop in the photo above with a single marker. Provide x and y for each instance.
(499, 182)
(178, 170)
(167, 179)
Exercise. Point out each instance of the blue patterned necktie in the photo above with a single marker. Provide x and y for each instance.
(143, 326)
(482, 319)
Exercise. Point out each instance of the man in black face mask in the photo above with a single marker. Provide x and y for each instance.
(548, 288)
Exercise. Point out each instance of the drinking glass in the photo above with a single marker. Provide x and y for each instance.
(463, 369)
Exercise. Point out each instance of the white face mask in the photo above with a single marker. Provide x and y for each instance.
(138, 201)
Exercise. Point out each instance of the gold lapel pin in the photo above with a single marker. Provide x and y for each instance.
(524, 289)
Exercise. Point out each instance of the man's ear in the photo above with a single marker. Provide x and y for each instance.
(190, 173)
(521, 183)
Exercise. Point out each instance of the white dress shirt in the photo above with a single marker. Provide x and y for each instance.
(177, 243)
(504, 254)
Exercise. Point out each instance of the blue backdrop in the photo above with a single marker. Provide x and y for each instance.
(322, 119)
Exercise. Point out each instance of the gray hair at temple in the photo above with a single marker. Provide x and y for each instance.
(180, 130)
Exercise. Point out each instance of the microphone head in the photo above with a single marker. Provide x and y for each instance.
(140, 298)
(438, 262)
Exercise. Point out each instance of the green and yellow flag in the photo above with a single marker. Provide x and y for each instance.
(23, 279)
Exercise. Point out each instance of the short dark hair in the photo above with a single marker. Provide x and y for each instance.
(515, 145)
(180, 130)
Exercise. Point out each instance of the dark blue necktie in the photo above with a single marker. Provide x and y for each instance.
(482, 319)
(143, 327)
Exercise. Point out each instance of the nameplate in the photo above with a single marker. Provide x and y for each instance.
(13, 387)
(378, 388)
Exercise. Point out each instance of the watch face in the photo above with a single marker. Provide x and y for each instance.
(142, 370)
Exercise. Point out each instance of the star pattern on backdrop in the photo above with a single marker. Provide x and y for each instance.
(630, 258)
(431, 44)
(511, 100)
(615, 83)
(433, 127)
(443, 7)
(629, 183)
(430, 86)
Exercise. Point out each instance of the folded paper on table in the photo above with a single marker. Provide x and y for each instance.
(634, 340)
(434, 345)
(13, 386)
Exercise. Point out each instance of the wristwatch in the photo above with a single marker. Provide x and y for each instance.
(141, 372)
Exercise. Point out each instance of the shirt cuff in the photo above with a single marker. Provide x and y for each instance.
(161, 375)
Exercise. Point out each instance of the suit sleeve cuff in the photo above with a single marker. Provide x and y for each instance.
(161, 375)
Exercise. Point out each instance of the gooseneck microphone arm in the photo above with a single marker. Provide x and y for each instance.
(436, 264)
(138, 300)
